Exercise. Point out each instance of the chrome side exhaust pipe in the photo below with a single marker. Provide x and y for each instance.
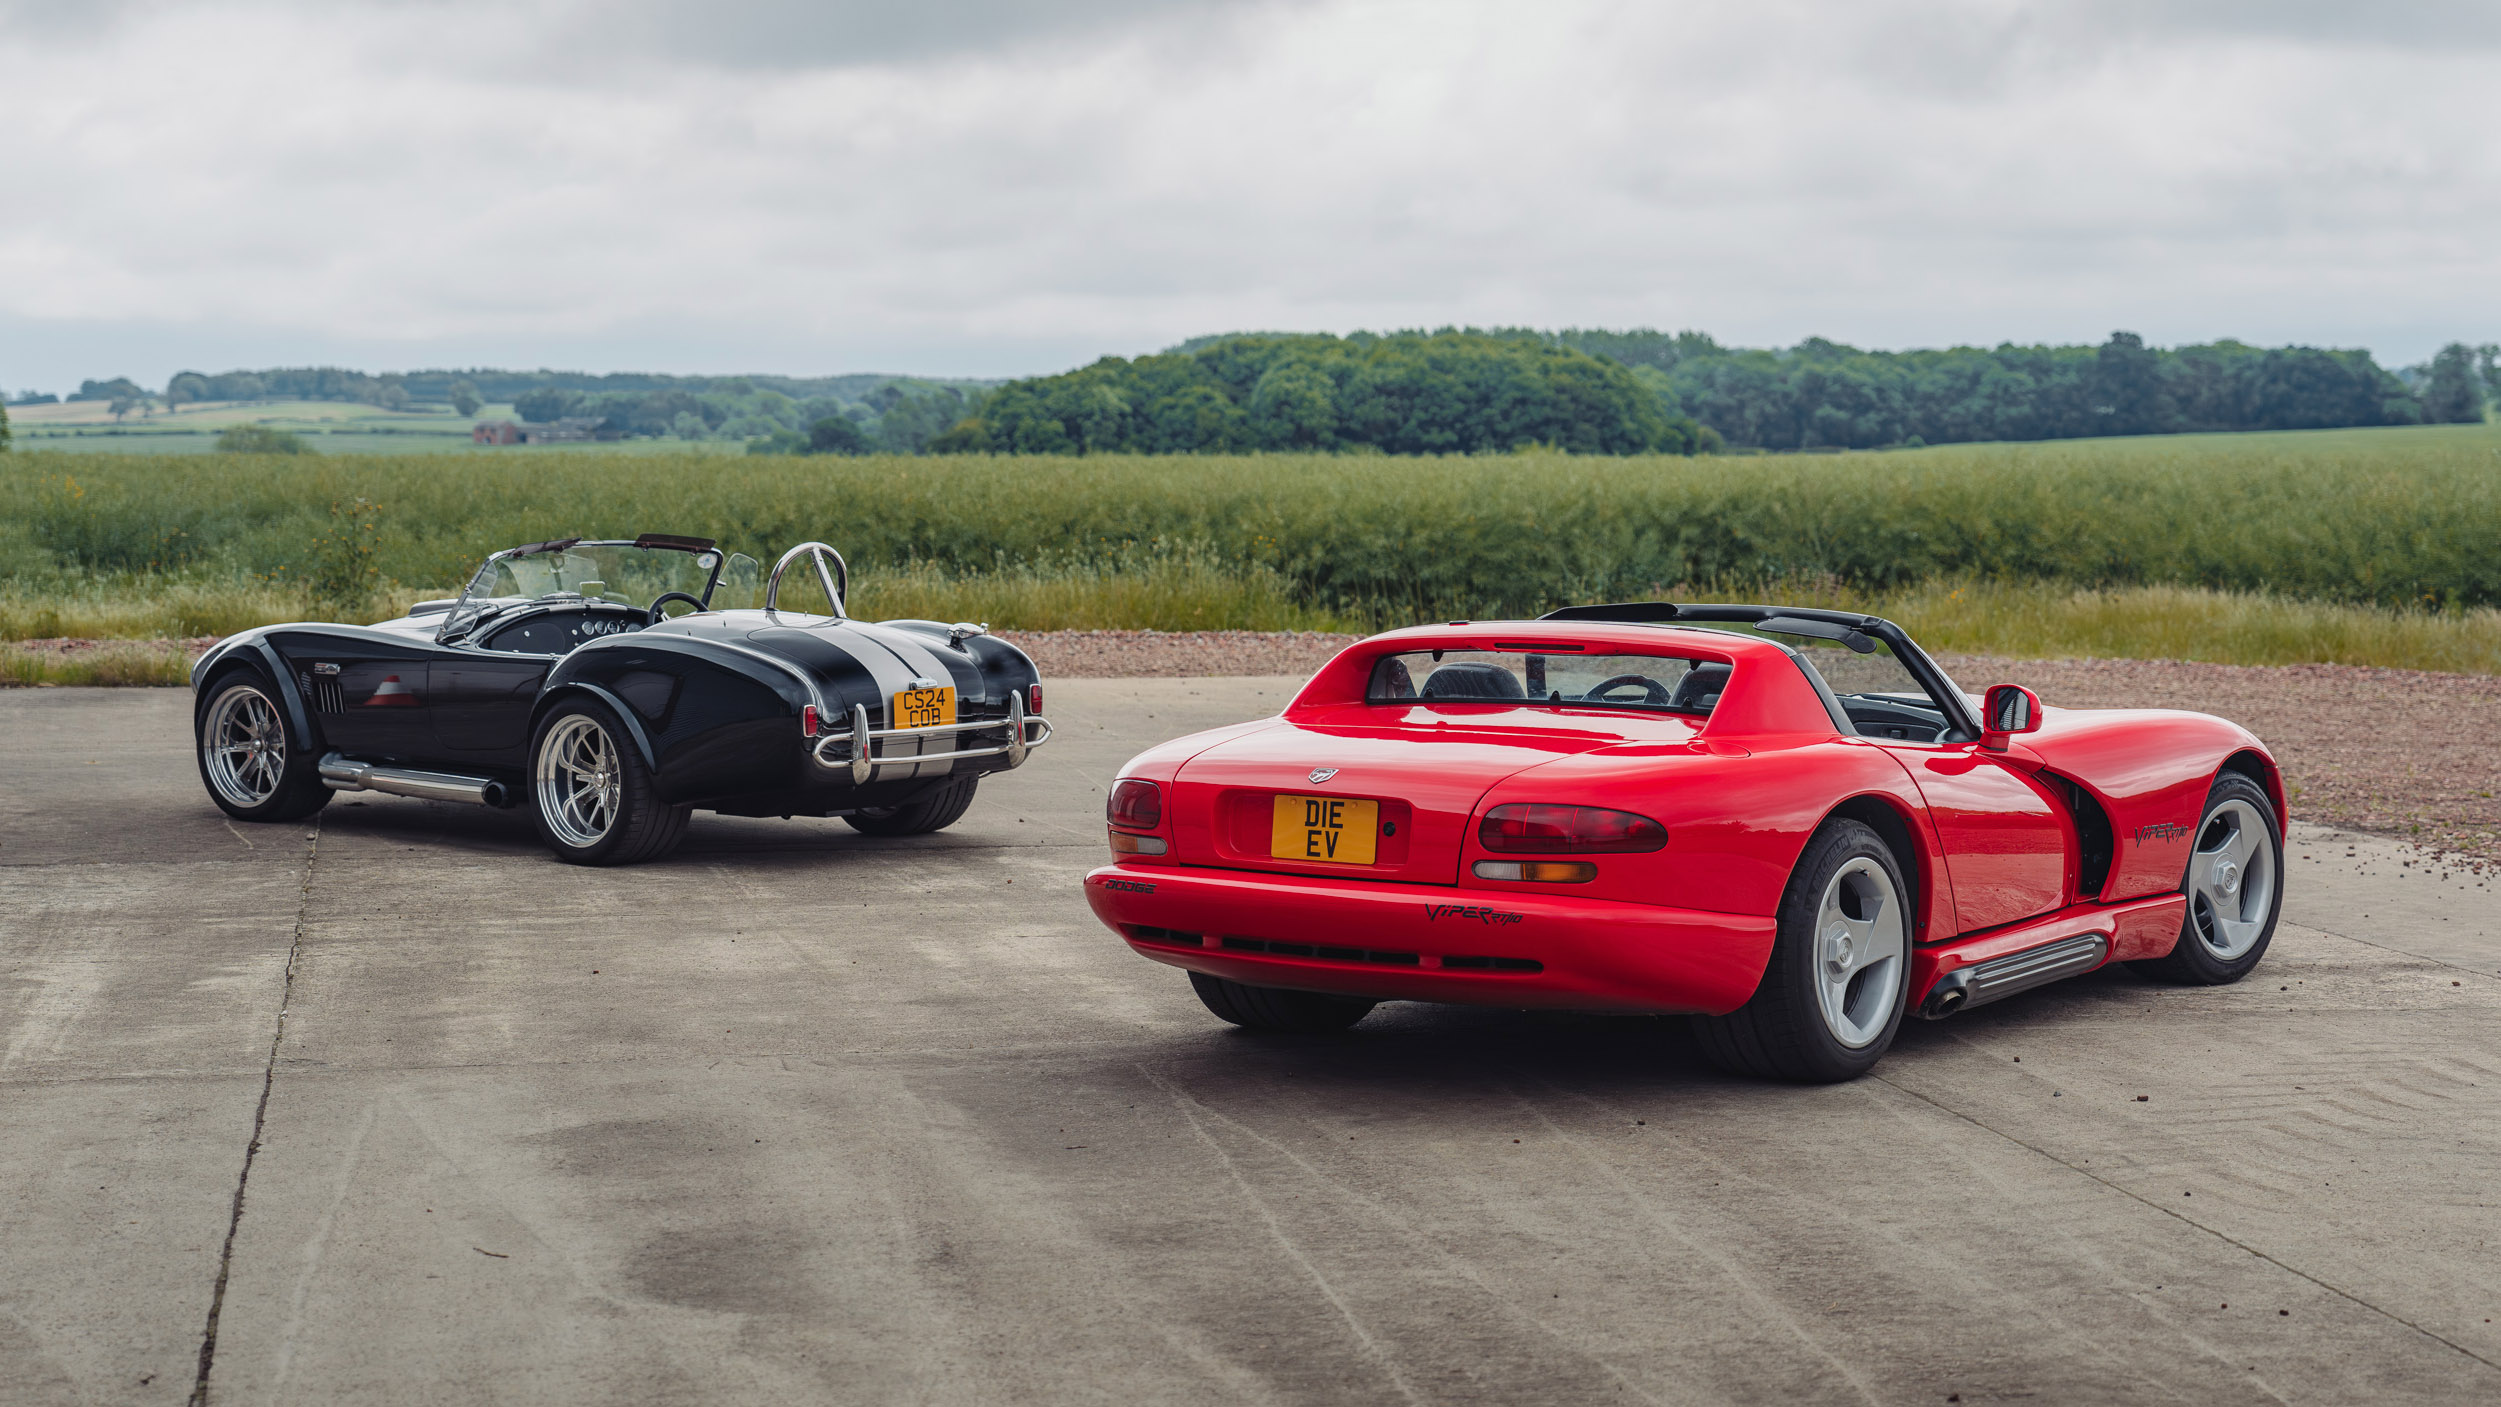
(340, 774)
(1998, 978)
(1951, 993)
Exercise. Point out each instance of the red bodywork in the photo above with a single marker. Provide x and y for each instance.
(2081, 827)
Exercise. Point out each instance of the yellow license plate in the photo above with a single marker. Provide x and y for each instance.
(924, 708)
(1332, 828)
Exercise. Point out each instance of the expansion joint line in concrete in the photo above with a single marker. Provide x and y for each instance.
(2194, 1224)
(260, 1114)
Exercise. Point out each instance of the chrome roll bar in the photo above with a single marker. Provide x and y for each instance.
(837, 583)
(861, 740)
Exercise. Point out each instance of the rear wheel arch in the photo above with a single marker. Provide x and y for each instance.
(632, 722)
(1893, 825)
(1837, 983)
(585, 821)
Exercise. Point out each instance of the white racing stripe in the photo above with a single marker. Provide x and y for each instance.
(896, 659)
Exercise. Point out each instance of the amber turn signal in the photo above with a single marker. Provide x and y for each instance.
(1543, 871)
(1124, 843)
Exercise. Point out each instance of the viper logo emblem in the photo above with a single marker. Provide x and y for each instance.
(1435, 913)
(1322, 774)
(2163, 830)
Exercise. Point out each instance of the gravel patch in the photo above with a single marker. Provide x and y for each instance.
(1157, 654)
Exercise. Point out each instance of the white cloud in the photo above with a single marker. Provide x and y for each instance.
(995, 187)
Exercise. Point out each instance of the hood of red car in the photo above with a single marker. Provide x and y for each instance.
(1422, 768)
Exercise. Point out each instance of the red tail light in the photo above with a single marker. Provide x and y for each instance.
(808, 723)
(1136, 805)
(1033, 698)
(1540, 828)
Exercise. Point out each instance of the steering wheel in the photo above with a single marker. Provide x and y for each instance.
(1653, 692)
(654, 617)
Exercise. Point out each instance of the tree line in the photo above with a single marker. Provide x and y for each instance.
(1619, 392)
(1452, 391)
(899, 416)
(1402, 393)
(1823, 394)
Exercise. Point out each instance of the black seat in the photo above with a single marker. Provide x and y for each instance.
(1701, 687)
(1473, 681)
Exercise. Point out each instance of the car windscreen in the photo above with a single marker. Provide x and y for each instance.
(1549, 678)
(611, 573)
(1878, 692)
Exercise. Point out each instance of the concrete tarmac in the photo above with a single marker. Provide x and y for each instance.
(391, 1107)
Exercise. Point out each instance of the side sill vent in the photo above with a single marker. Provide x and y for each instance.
(1373, 956)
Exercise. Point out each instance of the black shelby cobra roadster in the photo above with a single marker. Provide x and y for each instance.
(559, 681)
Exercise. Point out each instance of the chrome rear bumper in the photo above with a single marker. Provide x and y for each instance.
(855, 748)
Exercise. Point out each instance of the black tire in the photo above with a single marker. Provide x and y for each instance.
(1278, 1009)
(934, 811)
(626, 826)
(243, 706)
(2216, 946)
(1783, 1032)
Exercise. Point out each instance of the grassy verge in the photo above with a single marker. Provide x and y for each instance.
(1179, 591)
(2033, 620)
(112, 664)
(2022, 620)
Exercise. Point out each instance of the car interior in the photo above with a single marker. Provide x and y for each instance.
(1876, 692)
(560, 630)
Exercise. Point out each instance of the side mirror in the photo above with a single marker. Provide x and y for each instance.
(2009, 709)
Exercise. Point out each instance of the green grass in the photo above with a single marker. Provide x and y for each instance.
(114, 665)
(2043, 620)
(1177, 592)
(2369, 546)
(2022, 620)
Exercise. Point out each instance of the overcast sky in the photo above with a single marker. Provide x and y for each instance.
(994, 187)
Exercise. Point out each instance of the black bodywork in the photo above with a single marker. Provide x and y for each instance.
(717, 701)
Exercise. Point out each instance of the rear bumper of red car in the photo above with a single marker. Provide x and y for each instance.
(1416, 942)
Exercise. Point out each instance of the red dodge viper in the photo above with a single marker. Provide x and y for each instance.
(1787, 823)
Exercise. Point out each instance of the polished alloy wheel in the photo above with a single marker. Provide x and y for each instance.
(245, 746)
(2231, 879)
(579, 781)
(1860, 952)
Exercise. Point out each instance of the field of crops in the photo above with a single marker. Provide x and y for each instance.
(2369, 546)
(326, 427)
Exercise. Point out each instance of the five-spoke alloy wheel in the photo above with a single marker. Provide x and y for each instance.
(1860, 952)
(1831, 997)
(2235, 887)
